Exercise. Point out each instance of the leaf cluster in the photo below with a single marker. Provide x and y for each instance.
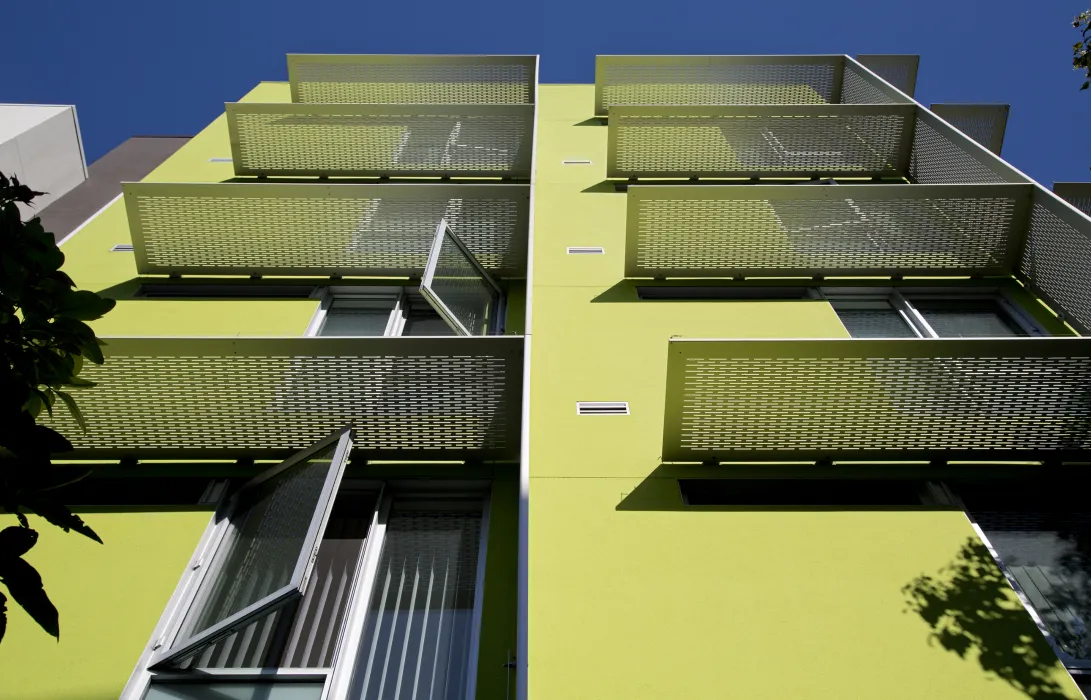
(44, 340)
(1081, 50)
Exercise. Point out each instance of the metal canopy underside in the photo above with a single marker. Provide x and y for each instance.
(736, 80)
(406, 398)
(797, 141)
(779, 231)
(755, 141)
(313, 229)
(982, 122)
(383, 140)
(878, 399)
(900, 70)
(1078, 194)
(401, 79)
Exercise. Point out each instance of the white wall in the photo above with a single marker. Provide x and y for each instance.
(41, 144)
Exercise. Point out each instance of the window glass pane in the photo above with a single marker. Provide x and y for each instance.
(1047, 554)
(416, 641)
(1042, 532)
(457, 283)
(357, 317)
(303, 635)
(873, 320)
(238, 690)
(422, 319)
(967, 318)
(260, 552)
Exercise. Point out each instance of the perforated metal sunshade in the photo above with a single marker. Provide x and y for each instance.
(313, 229)
(404, 79)
(773, 230)
(873, 399)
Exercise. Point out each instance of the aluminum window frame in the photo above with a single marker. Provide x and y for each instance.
(901, 300)
(444, 232)
(180, 647)
(338, 677)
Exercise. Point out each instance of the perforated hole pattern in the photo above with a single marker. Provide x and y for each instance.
(1057, 260)
(756, 143)
(899, 71)
(400, 397)
(939, 159)
(378, 144)
(860, 88)
(838, 405)
(370, 232)
(682, 235)
(716, 84)
(354, 80)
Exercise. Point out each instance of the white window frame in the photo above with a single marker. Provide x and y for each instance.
(896, 298)
(338, 678)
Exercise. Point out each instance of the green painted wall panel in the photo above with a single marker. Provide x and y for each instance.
(633, 596)
(109, 596)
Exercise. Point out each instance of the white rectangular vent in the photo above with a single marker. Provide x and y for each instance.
(576, 161)
(122, 248)
(602, 408)
(219, 160)
(586, 250)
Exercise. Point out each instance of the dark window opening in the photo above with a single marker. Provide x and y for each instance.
(808, 492)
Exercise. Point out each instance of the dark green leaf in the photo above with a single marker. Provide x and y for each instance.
(93, 352)
(16, 541)
(85, 306)
(25, 586)
(59, 515)
(72, 408)
(3, 616)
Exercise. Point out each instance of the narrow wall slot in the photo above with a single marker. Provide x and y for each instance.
(122, 248)
(219, 160)
(576, 161)
(602, 408)
(586, 250)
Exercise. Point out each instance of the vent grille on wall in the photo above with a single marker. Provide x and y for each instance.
(586, 250)
(602, 408)
(122, 248)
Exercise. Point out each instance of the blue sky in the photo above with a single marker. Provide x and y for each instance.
(153, 67)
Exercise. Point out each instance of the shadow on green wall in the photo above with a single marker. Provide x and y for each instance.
(973, 612)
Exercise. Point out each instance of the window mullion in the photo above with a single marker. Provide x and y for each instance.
(352, 630)
(395, 324)
(319, 318)
(912, 316)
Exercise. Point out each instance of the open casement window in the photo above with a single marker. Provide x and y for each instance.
(458, 288)
(266, 553)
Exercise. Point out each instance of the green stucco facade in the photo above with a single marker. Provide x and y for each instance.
(631, 595)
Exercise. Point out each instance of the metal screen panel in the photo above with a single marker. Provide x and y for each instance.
(774, 230)
(944, 155)
(878, 399)
(1056, 262)
(442, 140)
(312, 229)
(900, 70)
(447, 398)
(1078, 194)
(862, 86)
(756, 141)
(715, 80)
(406, 79)
(983, 123)
(459, 290)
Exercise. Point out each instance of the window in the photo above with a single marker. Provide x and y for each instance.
(1040, 534)
(909, 313)
(456, 297)
(309, 583)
